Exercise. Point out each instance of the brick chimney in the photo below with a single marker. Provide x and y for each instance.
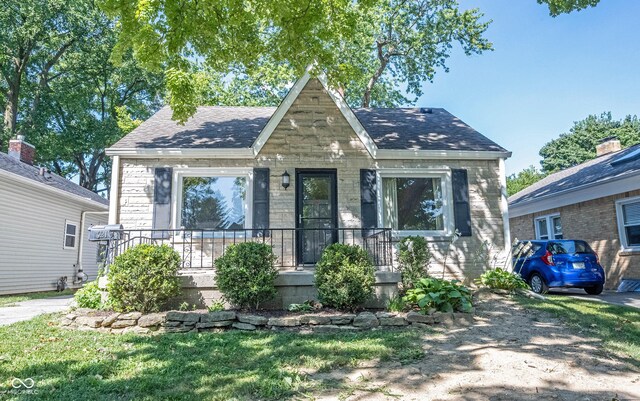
(21, 150)
(608, 145)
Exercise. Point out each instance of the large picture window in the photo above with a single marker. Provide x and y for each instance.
(414, 203)
(213, 202)
(628, 212)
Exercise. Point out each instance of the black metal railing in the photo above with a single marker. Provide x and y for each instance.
(292, 246)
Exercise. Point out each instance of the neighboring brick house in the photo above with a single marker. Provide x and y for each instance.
(311, 172)
(44, 222)
(597, 201)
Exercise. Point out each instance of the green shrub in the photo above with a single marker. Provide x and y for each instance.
(413, 260)
(501, 279)
(443, 295)
(216, 306)
(143, 278)
(397, 304)
(245, 274)
(89, 296)
(344, 276)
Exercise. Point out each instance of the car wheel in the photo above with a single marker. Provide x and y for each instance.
(537, 284)
(595, 290)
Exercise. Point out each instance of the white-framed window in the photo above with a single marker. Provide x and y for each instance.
(416, 201)
(628, 215)
(212, 198)
(548, 227)
(70, 235)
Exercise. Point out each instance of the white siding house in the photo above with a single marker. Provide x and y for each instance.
(43, 222)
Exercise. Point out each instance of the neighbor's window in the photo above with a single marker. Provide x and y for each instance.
(414, 204)
(70, 234)
(549, 227)
(213, 203)
(629, 223)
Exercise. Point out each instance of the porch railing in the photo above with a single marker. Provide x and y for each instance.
(293, 247)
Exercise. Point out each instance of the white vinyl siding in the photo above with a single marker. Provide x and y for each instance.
(32, 254)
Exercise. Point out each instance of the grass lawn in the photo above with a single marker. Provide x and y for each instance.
(9, 300)
(75, 365)
(617, 326)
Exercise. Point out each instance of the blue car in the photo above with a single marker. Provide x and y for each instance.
(558, 263)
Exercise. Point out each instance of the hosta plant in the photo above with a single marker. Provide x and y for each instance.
(442, 295)
(501, 279)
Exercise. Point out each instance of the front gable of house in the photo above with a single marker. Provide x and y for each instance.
(316, 123)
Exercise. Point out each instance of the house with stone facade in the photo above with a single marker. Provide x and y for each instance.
(597, 201)
(311, 172)
(45, 219)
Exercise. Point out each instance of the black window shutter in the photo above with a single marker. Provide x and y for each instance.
(368, 201)
(261, 201)
(461, 208)
(162, 198)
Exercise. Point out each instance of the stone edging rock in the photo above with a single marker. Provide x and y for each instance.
(198, 321)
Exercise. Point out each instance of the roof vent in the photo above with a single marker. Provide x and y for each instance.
(425, 110)
(608, 145)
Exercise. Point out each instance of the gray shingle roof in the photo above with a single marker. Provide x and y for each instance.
(238, 127)
(15, 166)
(598, 170)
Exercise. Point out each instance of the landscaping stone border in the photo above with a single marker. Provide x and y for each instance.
(200, 321)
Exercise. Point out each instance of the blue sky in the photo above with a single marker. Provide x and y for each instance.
(544, 74)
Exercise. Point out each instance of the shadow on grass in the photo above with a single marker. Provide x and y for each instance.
(71, 365)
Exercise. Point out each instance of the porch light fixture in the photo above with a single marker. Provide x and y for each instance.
(286, 178)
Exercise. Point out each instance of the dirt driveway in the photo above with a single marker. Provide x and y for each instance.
(511, 353)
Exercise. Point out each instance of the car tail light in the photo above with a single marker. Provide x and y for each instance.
(547, 258)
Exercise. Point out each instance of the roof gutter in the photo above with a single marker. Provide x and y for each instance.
(57, 191)
(582, 193)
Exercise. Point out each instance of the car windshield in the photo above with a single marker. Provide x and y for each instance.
(568, 247)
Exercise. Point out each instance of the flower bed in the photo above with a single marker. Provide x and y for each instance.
(199, 321)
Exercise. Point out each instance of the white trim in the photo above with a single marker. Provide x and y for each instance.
(114, 194)
(444, 173)
(216, 153)
(75, 236)
(293, 94)
(176, 188)
(504, 207)
(54, 190)
(548, 219)
(575, 195)
(350, 117)
(624, 245)
(391, 154)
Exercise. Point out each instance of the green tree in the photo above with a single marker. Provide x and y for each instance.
(557, 7)
(519, 181)
(579, 144)
(369, 48)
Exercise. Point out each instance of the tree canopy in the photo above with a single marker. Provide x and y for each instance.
(372, 49)
(579, 144)
(557, 7)
(519, 181)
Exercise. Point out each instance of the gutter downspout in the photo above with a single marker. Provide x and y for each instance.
(504, 209)
(80, 275)
(115, 190)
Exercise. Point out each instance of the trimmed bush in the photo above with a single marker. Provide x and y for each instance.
(143, 278)
(344, 276)
(89, 296)
(245, 274)
(443, 295)
(413, 260)
(500, 279)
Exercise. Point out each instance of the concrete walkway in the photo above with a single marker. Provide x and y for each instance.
(26, 310)
(612, 297)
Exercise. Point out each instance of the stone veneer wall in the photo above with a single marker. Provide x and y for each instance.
(314, 134)
(199, 321)
(595, 222)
